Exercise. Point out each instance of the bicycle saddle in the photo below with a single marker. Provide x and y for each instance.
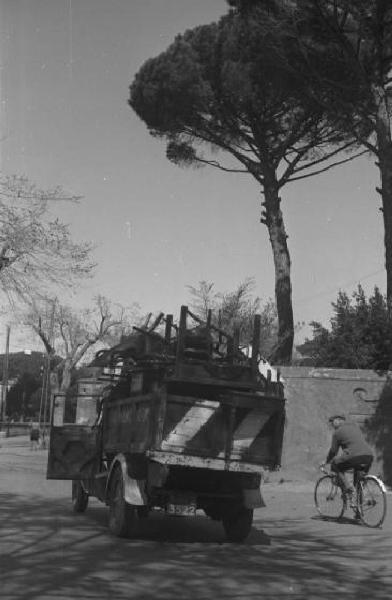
(362, 468)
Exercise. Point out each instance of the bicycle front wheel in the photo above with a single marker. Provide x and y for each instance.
(328, 498)
(372, 501)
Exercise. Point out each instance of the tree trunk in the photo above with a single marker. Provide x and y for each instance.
(384, 146)
(278, 238)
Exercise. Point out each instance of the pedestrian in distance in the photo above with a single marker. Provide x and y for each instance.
(42, 438)
(34, 436)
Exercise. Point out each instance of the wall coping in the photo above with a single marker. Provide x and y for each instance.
(330, 373)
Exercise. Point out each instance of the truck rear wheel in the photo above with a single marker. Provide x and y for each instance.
(122, 516)
(213, 511)
(237, 524)
(79, 497)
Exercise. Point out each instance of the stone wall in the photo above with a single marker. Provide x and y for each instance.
(313, 394)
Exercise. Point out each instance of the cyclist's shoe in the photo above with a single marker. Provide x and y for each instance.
(357, 514)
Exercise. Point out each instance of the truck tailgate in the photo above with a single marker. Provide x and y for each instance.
(238, 426)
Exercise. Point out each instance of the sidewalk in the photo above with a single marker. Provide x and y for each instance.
(13, 441)
(19, 445)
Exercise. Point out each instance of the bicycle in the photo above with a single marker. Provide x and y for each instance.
(369, 501)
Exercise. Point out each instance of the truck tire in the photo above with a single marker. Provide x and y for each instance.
(79, 497)
(237, 524)
(213, 511)
(123, 517)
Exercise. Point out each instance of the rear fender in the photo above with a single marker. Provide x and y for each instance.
(133, 488)
(379, 481)
(252, 498)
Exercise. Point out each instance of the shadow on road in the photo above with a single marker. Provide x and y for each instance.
(48, 552)
(345, 520)
(160, 528)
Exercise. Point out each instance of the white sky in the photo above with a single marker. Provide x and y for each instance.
(66, 66)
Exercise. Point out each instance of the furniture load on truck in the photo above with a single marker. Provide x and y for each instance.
(178, 421)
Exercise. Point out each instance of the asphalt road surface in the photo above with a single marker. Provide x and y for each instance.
(47, 552)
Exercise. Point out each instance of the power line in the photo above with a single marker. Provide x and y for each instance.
(337, 288)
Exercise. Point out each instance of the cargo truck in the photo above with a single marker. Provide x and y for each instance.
(179, 421)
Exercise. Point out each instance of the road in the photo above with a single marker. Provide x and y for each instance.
(47, 552)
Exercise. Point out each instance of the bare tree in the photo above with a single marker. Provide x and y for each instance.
(236, 310)
(36, 249)
(203, 298)
(69, 333)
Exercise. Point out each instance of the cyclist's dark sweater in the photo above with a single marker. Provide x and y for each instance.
(350, 439)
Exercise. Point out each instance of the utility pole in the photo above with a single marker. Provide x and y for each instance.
(4, 388)
(48, 361)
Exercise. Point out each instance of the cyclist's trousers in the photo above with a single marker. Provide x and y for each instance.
(343, 463)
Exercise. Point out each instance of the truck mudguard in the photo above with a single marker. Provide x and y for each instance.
(252, 498)
(133, 488)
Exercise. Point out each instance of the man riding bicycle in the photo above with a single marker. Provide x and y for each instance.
(355, 450)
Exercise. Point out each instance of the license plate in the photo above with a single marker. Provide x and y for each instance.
(181, 510)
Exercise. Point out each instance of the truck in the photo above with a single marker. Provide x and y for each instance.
(176, 418)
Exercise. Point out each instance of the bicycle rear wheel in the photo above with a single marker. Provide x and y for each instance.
(328, 497)
(372, 501)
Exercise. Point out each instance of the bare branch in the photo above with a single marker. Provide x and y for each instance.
(217, 165)
(37, 251)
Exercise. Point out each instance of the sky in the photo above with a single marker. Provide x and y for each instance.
(66, 67)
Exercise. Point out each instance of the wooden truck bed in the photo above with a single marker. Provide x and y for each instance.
(237, 429)
(190, 399)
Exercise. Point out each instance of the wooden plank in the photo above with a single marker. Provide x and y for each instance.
(130, 424)
(161, 418)
(228, 445)
(247, 431)
(58, 412)
(217, 429)
(182, 377)
(168, 328)
(269, 405)
(89, 387)
(191, 400)
(256, 438)
(86, 410)
(181, 336)
(191, 423)
(278, 437)
(261, 453)
(256, 344)
(151, 397)
(175, 459)
(126, 446)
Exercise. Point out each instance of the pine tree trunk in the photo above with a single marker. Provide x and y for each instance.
(384, 146)
(278, 238)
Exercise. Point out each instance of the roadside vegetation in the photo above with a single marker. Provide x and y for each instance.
(359, 336)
